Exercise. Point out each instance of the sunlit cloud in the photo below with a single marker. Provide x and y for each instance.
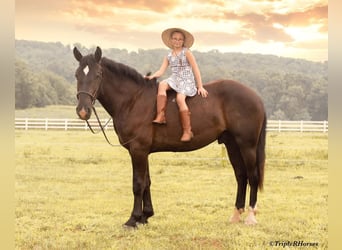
(284, 27)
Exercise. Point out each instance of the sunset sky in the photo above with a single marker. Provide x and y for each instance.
(289, 28)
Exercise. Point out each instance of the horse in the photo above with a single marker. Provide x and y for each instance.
(233, 114)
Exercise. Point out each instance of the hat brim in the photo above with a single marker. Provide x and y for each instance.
(188, 37)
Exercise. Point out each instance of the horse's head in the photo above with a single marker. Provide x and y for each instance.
(89, 77)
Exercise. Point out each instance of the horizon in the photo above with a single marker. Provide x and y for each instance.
(137, 51)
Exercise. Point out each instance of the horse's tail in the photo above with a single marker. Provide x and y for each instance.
(261, 153)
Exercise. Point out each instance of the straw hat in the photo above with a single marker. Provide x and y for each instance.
(188, 37)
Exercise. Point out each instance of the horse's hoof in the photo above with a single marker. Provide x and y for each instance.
(128, 227)
(139, 225)
(236, 217)
(250, 221)
(130, 224)
(142, 221)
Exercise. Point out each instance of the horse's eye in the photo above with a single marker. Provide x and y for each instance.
(78, 73)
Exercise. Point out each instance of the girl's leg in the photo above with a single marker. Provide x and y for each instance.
(181, 102)
(163, 87)
(161, 103)
(184, 117)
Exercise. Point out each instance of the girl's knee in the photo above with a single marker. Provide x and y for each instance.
(162, 88)
(180, 99)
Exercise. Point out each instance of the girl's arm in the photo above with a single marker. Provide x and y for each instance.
(161, 70)
(192, 61)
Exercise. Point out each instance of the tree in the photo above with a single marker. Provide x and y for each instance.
(25, 88)
(40, 89)
(58, 89)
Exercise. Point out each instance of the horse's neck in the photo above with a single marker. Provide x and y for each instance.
(121, 97)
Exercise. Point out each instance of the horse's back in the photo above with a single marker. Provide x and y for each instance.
(228, 96)
(230, 106)
(232, 90)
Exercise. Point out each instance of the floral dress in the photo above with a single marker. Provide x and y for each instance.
(182, 79)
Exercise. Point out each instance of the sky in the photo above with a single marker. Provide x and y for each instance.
(287, 28)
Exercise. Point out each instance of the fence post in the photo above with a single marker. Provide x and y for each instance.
(46, 123)
(279, 125)
(324, 126)
(66, 124)
(301, 126)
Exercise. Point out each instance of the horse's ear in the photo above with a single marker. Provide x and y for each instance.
(98, 54)
(77, 54)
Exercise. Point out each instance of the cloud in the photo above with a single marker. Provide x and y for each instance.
(259, 27)
(106, 8)
(211, 39)
(267, 26)
(303, 18)
(133, 24)
(121, 38)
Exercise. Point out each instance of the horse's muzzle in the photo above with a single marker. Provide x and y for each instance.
(83, 113)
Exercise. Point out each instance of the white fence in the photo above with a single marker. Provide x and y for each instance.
(77, 124)
(297, 126)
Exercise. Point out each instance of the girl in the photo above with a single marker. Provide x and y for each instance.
(185, 78)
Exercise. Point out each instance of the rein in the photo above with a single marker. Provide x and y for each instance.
(104, 133)
(93, 98)
(102, 128)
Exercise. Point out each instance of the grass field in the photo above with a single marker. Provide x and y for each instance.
(73, 191)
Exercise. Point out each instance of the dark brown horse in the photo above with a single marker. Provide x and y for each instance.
(232, 114)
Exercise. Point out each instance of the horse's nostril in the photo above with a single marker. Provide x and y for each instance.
(83, 114)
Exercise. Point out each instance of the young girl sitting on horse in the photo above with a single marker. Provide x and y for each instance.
(185, 78)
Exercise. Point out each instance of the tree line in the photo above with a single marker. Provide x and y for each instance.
(292, 89)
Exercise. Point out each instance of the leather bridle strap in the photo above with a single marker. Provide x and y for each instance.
(102, 128)
(93, 98)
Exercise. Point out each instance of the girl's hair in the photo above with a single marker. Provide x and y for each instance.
(178, 31)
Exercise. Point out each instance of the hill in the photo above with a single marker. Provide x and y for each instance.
(292, 89)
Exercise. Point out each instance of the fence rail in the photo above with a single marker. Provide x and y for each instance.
(77, 124)
(297, 126)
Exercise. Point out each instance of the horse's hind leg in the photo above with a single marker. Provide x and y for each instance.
(240, 174)
(249, 157)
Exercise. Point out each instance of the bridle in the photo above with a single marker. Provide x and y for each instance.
(93, 100)
(93, 97)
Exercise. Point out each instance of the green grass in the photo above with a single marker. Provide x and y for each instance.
(73, 191)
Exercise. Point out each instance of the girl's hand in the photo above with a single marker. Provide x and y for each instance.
(149, 77)
(202, 91)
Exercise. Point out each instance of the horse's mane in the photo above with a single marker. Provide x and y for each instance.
(122, 69)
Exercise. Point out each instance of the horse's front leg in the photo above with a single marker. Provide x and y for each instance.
(147, 200)
(140, 174)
